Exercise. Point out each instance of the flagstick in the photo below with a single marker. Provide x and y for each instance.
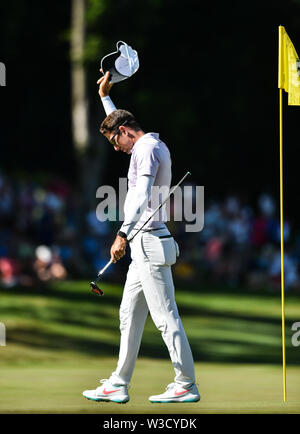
(281, 245)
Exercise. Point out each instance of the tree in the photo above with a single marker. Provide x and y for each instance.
(90, 152)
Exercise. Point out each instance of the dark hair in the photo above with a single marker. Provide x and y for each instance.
(116, 119)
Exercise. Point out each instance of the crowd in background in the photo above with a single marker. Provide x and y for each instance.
(44, 237)
(240, 246)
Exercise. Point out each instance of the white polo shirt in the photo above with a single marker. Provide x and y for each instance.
(150, 156)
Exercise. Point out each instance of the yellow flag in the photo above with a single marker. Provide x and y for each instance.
(288, 68)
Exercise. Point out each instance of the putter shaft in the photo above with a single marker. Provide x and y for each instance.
(104, 268)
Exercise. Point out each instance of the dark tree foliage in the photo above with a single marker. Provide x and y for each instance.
(35, 105)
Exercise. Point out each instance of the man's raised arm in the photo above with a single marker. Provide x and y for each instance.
(104, 89)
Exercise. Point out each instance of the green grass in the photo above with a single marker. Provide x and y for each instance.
(62, 339)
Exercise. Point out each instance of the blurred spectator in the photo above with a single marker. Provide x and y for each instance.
(266, 205)
(8, 271)
(291, 275)
(48, 265)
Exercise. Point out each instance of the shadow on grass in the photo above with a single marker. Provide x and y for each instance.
(222, 337)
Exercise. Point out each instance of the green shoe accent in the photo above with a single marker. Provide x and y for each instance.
(174, 402)
(92, 399)
(117, 401)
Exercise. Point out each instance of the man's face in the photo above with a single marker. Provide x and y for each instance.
(120, 140)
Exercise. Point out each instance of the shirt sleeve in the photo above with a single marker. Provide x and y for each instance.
(139, 201)
(108, 105)
(147, 161)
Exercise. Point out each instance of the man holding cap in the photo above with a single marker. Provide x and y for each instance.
(149, 285)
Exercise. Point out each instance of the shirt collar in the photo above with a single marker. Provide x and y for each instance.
(145, 136)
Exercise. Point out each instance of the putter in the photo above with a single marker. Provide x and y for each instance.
(94, 287)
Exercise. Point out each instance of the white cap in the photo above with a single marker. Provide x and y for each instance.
(43, 253)
(121, 64)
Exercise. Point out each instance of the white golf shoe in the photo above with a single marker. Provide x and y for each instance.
(108, 392)
(176, 393)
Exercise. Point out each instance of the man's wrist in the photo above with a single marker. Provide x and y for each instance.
(122, 235)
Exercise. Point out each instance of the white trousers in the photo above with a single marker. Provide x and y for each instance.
(149, 287)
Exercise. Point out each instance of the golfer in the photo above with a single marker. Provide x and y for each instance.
(149, 284)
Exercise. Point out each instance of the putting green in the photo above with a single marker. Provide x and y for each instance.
(230, 388)
(62, 340)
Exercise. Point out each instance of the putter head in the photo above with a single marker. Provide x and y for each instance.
(95, 289)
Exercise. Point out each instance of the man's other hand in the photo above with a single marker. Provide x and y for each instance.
(118, 249)
(104, 85)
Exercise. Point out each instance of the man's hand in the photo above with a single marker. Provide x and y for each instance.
(118, 249)
(105, 85)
